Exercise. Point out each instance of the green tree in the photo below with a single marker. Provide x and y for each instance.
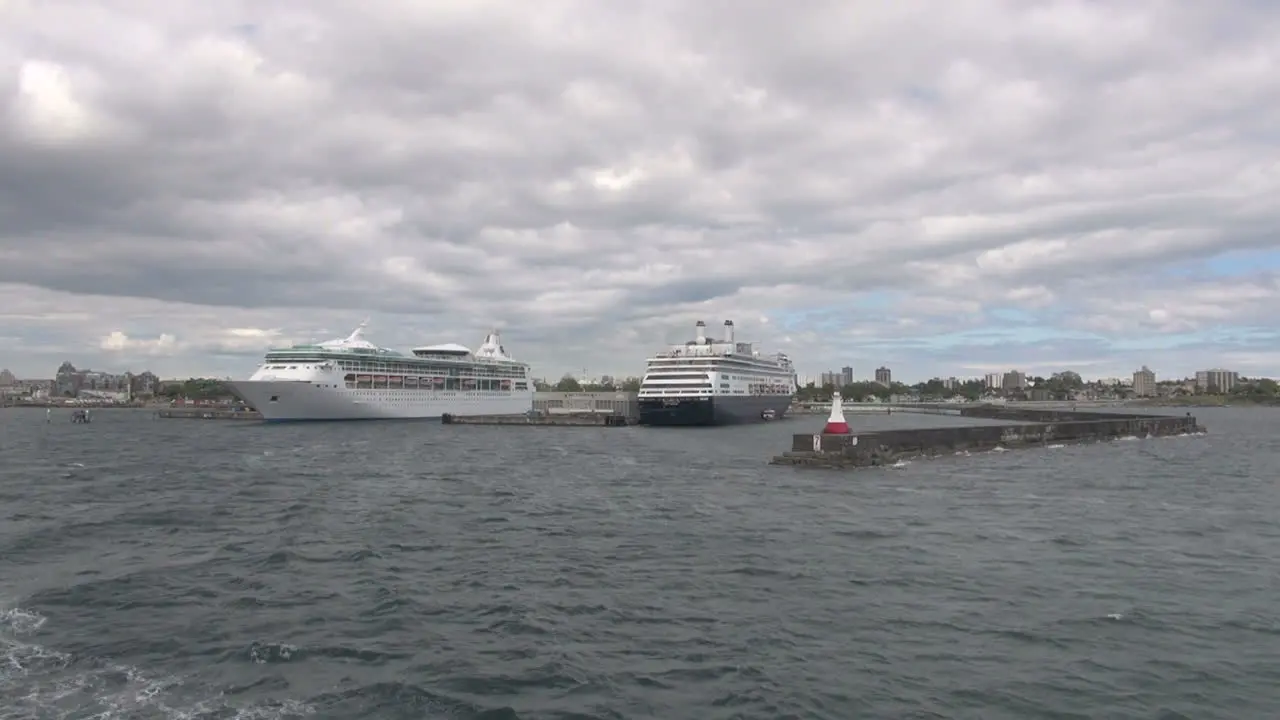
(568, 383)
(198, 389)
(933, 389)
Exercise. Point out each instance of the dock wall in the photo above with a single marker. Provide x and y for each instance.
(886, 447)
(589, 419)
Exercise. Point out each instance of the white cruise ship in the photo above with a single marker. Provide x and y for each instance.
(353, 379)
(715, 382)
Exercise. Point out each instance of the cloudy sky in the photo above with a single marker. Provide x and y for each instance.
(943, 188)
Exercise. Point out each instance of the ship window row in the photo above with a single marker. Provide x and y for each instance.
(682, 386)
(753, 372)
(769, 389)
(675, 376)
(720, 358)
(380, 382)
(716, 365)
(496, 370)
(441, 370)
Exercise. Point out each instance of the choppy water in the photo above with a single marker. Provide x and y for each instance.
(203, 569)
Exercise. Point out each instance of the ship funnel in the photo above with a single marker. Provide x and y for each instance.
(492, 345)
(728, 331)
(701, 329)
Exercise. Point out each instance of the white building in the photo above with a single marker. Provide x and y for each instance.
(1216, 381)
(1144, 382)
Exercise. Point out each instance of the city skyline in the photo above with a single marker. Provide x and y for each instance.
(1203, 377)
(1029, 185)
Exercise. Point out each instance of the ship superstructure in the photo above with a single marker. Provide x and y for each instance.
(353, 379)
(708, 381)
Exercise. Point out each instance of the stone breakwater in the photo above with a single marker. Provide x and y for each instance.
(1039, 428)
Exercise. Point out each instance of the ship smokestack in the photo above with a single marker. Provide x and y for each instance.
(728, 331)
(701, 329)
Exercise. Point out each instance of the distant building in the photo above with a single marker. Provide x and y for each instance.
(883, 376)
(1144, 382)
(7, 379)
(830, 379)
(143, 384)
(1216, 381)
(995, 381)
(72, 382)
(950, 383)
(607, 403)
(1014, 380)
(846, 375)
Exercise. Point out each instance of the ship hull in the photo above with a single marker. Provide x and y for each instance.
(297, 401)
(710, 411)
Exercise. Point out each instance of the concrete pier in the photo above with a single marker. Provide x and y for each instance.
(1039, 428)
(556, 420)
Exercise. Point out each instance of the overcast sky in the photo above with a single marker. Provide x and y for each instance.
(943, 188)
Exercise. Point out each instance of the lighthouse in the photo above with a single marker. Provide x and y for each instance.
(836, 424)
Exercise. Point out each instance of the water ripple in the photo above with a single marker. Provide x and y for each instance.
(411, 570)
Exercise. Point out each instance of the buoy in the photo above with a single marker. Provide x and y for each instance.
(835, 422)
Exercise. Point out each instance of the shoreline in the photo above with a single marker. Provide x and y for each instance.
(94, 406)
(1204, 403)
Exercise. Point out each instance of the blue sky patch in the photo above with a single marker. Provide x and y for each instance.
(1226, 265)
(1013, 315)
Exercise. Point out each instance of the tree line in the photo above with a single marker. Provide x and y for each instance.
(196, 389)
(569, 383)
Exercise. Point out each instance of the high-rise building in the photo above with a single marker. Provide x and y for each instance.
(994, 381)
(883, 376)
(846, 374)
(1014, 380)
(1144, 382)
(1216, 381)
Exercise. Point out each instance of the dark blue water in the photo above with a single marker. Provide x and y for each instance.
(206, 569)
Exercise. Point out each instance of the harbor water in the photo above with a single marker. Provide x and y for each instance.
(215, 569)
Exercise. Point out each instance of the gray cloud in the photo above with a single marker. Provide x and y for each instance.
(594, 177)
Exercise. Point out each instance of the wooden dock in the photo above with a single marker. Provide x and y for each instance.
(547, 420)
(199, 413)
